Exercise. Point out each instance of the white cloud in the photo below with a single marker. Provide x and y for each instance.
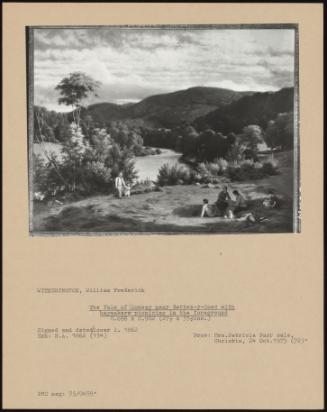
(169, 59)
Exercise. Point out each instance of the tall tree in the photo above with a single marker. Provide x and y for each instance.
(74, 89)
(251, 136)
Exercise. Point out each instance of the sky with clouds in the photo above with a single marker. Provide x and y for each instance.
(133, 63)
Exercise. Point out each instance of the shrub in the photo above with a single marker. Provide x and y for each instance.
(246, 162)
(210, 172)
(203, 172)
(203, 169)
(48, 177)
(127, 167)
(222, 163)
(213, 168)
(173, 175)
(249, 171)
(270, 168)
(195, 177)
(144, 186)
(258, 165)
(97, 177)
(39, 174)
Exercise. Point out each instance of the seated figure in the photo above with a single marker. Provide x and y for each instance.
(272, 201)
(235, 206)
(222, 201)
(208, 210)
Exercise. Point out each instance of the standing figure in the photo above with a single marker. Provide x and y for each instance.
(120, 184)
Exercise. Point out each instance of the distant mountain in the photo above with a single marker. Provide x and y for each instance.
(222, 110)
(184, 106)
(167, 110)
(257, 108)
(104, 112)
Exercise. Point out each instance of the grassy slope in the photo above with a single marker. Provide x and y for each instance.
(174, 209)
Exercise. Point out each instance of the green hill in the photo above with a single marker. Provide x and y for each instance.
(171, 109)
(257, 108)
(167, 110)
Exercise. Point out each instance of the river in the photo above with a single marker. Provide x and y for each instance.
(146, 166)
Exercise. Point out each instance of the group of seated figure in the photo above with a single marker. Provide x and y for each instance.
(236, 207)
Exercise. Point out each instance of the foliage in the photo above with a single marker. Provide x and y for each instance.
(173, 175)
(85, 168)
(50, 126)
(75, 88)
(144, 186)
(212, 144)
(97, 176)
(222, 163)
(250, 137)
(280, 131)
(218, 171)
(39, 174)
(248, 170)
(257, 108)
(95, 152)
(211, 172)
(126, 136)
(101, 142)
(164, 138)
(270, 168)
(189, 143)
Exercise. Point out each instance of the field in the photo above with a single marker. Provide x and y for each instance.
(174, 209)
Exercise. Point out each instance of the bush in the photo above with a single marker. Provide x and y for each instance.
(144, 186)
(213, 168)
(203, 169)
(270, 168)
(246, 162)
(222, 163)
(248, 170)
(211, 172)
(97, 177)
(40, 174)
(173, 175)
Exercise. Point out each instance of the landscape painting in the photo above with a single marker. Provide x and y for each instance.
(184, 129)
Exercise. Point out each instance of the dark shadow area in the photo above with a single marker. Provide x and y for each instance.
(188, 211)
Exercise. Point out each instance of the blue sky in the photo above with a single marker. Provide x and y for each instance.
(133, 63)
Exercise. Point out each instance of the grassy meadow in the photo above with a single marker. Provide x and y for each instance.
(173, 209)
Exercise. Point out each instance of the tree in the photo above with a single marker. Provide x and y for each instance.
(212, 144)
(74, 89)
(250, 137)
(101, 142)
(280, 131)
(74, 150)
(190, 141)
(235, 151)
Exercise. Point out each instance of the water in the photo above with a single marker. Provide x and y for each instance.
(148, 166)
(38, 149)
